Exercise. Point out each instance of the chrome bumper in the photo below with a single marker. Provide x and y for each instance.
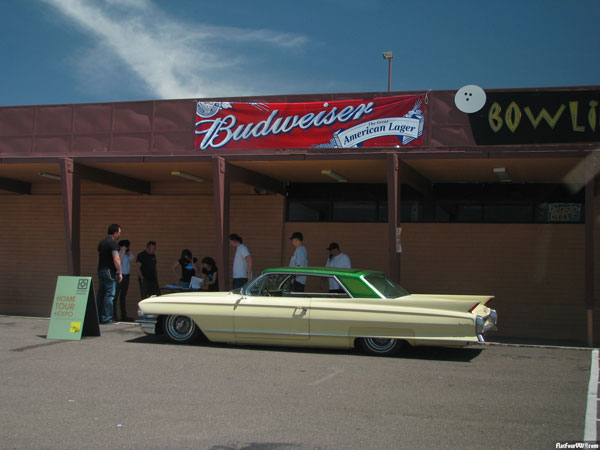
(482, 325)
(147, 323)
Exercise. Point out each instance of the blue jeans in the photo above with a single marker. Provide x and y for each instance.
(107, 286)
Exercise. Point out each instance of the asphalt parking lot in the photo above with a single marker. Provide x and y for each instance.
(128, 390)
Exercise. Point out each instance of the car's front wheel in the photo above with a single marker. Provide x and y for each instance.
(381, 346)
(180, 329)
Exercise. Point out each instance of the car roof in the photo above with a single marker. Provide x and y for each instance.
(323, 271)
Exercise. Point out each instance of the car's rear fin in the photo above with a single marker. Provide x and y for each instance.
(473, 307)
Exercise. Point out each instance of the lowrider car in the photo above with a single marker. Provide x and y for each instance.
(366, 310)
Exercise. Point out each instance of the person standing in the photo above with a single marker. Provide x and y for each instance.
(339, 260)
(122, 287)
(242, 261)
(147, 271)
(299, 259)
(109, 273)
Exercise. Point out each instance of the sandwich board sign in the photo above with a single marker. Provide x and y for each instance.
(74, 313)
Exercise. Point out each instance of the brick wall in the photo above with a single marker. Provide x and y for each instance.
(535, 271)
(365, 243)
(32, 252)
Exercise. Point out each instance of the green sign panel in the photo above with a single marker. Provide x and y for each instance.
(74, 312)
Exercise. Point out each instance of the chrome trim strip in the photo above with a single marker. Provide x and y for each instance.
(334, 335)
(268, 332)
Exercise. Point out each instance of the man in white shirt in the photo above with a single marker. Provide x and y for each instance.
(339, 260)
(299, 259)
(242, 261)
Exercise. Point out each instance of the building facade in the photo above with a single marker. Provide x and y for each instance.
(502, 201)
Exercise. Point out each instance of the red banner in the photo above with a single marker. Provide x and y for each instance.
(379, 122)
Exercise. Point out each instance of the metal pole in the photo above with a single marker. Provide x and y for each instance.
(390, 75)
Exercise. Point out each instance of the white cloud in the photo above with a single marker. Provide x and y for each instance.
(173, 59)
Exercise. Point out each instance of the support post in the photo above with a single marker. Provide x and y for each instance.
(221, 200)
(590, 225)
(393, 201)
(70, 184)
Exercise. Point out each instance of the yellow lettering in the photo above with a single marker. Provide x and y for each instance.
(573, 107)
(535, 121)
(592, 114)
(494, 118)
(513, 116)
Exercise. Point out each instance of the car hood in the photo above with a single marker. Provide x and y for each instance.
(188, 297)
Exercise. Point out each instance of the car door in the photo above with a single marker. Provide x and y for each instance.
(269, 312)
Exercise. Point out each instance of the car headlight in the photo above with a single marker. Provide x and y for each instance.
(479, 324)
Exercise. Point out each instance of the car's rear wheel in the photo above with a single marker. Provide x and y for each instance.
(381, 346)
(180, 329)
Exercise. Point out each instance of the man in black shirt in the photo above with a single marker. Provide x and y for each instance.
(109, 273)
(147, 271)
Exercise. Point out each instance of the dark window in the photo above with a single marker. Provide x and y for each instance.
(354, 210)
(464, 202)
(344, 202)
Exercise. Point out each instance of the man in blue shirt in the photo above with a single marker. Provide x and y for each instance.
(299, 259)
(242, 261)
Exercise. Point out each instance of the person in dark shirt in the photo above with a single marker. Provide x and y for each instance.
(188, 266)
(147, 271)
(209, 274)
(109, 273)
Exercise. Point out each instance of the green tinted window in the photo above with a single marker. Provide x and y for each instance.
(357, 287)
(387, 288)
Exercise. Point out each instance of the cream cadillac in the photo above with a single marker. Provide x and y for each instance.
(340, 308)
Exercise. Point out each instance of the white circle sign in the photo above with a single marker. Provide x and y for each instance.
(470, 98)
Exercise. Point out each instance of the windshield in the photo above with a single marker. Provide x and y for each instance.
(386, 287)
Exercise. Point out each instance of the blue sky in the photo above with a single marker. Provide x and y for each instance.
(81, 51)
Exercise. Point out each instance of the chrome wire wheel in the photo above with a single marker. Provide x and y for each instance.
(381, 346)
(180, 329)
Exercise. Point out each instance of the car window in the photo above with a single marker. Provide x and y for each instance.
(319, 286)
(274, 284)
(282, 285)
(385, 286)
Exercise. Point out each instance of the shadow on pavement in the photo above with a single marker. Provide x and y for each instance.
(423, 353)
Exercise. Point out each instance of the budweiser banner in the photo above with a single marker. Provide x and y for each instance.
(379, 122)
